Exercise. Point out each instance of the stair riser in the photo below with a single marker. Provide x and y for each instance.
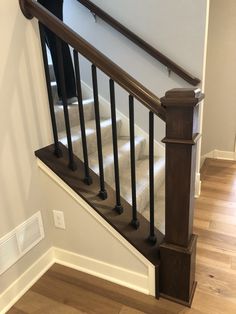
(142, 184)
(54, 91)
(51, 73)
(124, 162)
(106, 133)
(73, 114)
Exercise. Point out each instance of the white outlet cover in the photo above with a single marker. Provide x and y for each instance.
(59, 220)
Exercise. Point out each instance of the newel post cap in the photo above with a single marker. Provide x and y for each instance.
(181, 97)
(25, 10)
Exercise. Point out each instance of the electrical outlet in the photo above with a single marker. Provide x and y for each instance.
(59, 220)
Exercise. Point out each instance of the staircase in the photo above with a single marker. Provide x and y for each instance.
(118, 171)
(142, 160)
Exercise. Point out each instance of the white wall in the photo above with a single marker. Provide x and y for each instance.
(219, 126)
(24, 127)
(177, 28)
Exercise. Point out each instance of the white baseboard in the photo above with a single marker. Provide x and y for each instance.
(118, 275)
(19, 287)
(103, 270)
(219, 154)
(198, 185)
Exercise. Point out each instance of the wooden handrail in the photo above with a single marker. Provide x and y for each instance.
(172, 66)
(32, 9)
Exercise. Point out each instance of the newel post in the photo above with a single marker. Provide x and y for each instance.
(178, 252)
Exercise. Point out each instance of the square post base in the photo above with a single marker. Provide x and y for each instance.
(177, 272)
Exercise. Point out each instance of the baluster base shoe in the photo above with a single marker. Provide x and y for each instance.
(103, 194)
(58, 152)
(72, 166)
(135, 223)
(119, 209)
(152, 239)
(88, 180)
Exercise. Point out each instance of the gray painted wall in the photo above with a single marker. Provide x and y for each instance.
(219, 123)
(177, 28)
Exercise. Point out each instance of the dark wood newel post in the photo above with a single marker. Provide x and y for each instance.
(178, 252)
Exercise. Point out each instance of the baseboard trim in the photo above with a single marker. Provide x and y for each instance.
(19, 287)
(118, 275)
(103, 270)
(198, 185)
(219, 154)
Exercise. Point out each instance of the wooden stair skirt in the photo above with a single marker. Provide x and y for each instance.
(174, 253)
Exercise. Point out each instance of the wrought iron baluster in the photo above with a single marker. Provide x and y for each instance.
(87, 177)
(72, 164)
(152, 236)
(57, 149)
(134, 221)
(103, 192)
(118, 206)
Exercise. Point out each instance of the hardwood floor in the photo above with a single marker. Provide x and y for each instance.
(63, 290)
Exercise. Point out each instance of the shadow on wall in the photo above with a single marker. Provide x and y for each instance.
(23, 122)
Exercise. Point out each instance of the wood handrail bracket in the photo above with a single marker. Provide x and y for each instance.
(171, 65)
(133, 87)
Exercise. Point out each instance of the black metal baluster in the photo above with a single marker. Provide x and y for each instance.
(87, 178)
(72, 164)
(103, 192)
(152, 236)
(118, 206)
(134, 222)
(57, 149)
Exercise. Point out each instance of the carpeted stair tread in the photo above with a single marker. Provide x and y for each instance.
(106, 131)
(124, 157)
(74, 114)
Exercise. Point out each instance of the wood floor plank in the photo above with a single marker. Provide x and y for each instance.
(112, 293)
(210, 215)
(128, 310)
(224, 228)
(233, 263)
(228, 208)
(214, 257)
(37, 303)
(14, 310)
(78, 298)
(200, 223)
(217, 239)
(209, 304)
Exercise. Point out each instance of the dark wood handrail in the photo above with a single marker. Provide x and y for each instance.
(172, 66)
(133, 87)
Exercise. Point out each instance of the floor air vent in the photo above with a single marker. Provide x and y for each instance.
(19, 241)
